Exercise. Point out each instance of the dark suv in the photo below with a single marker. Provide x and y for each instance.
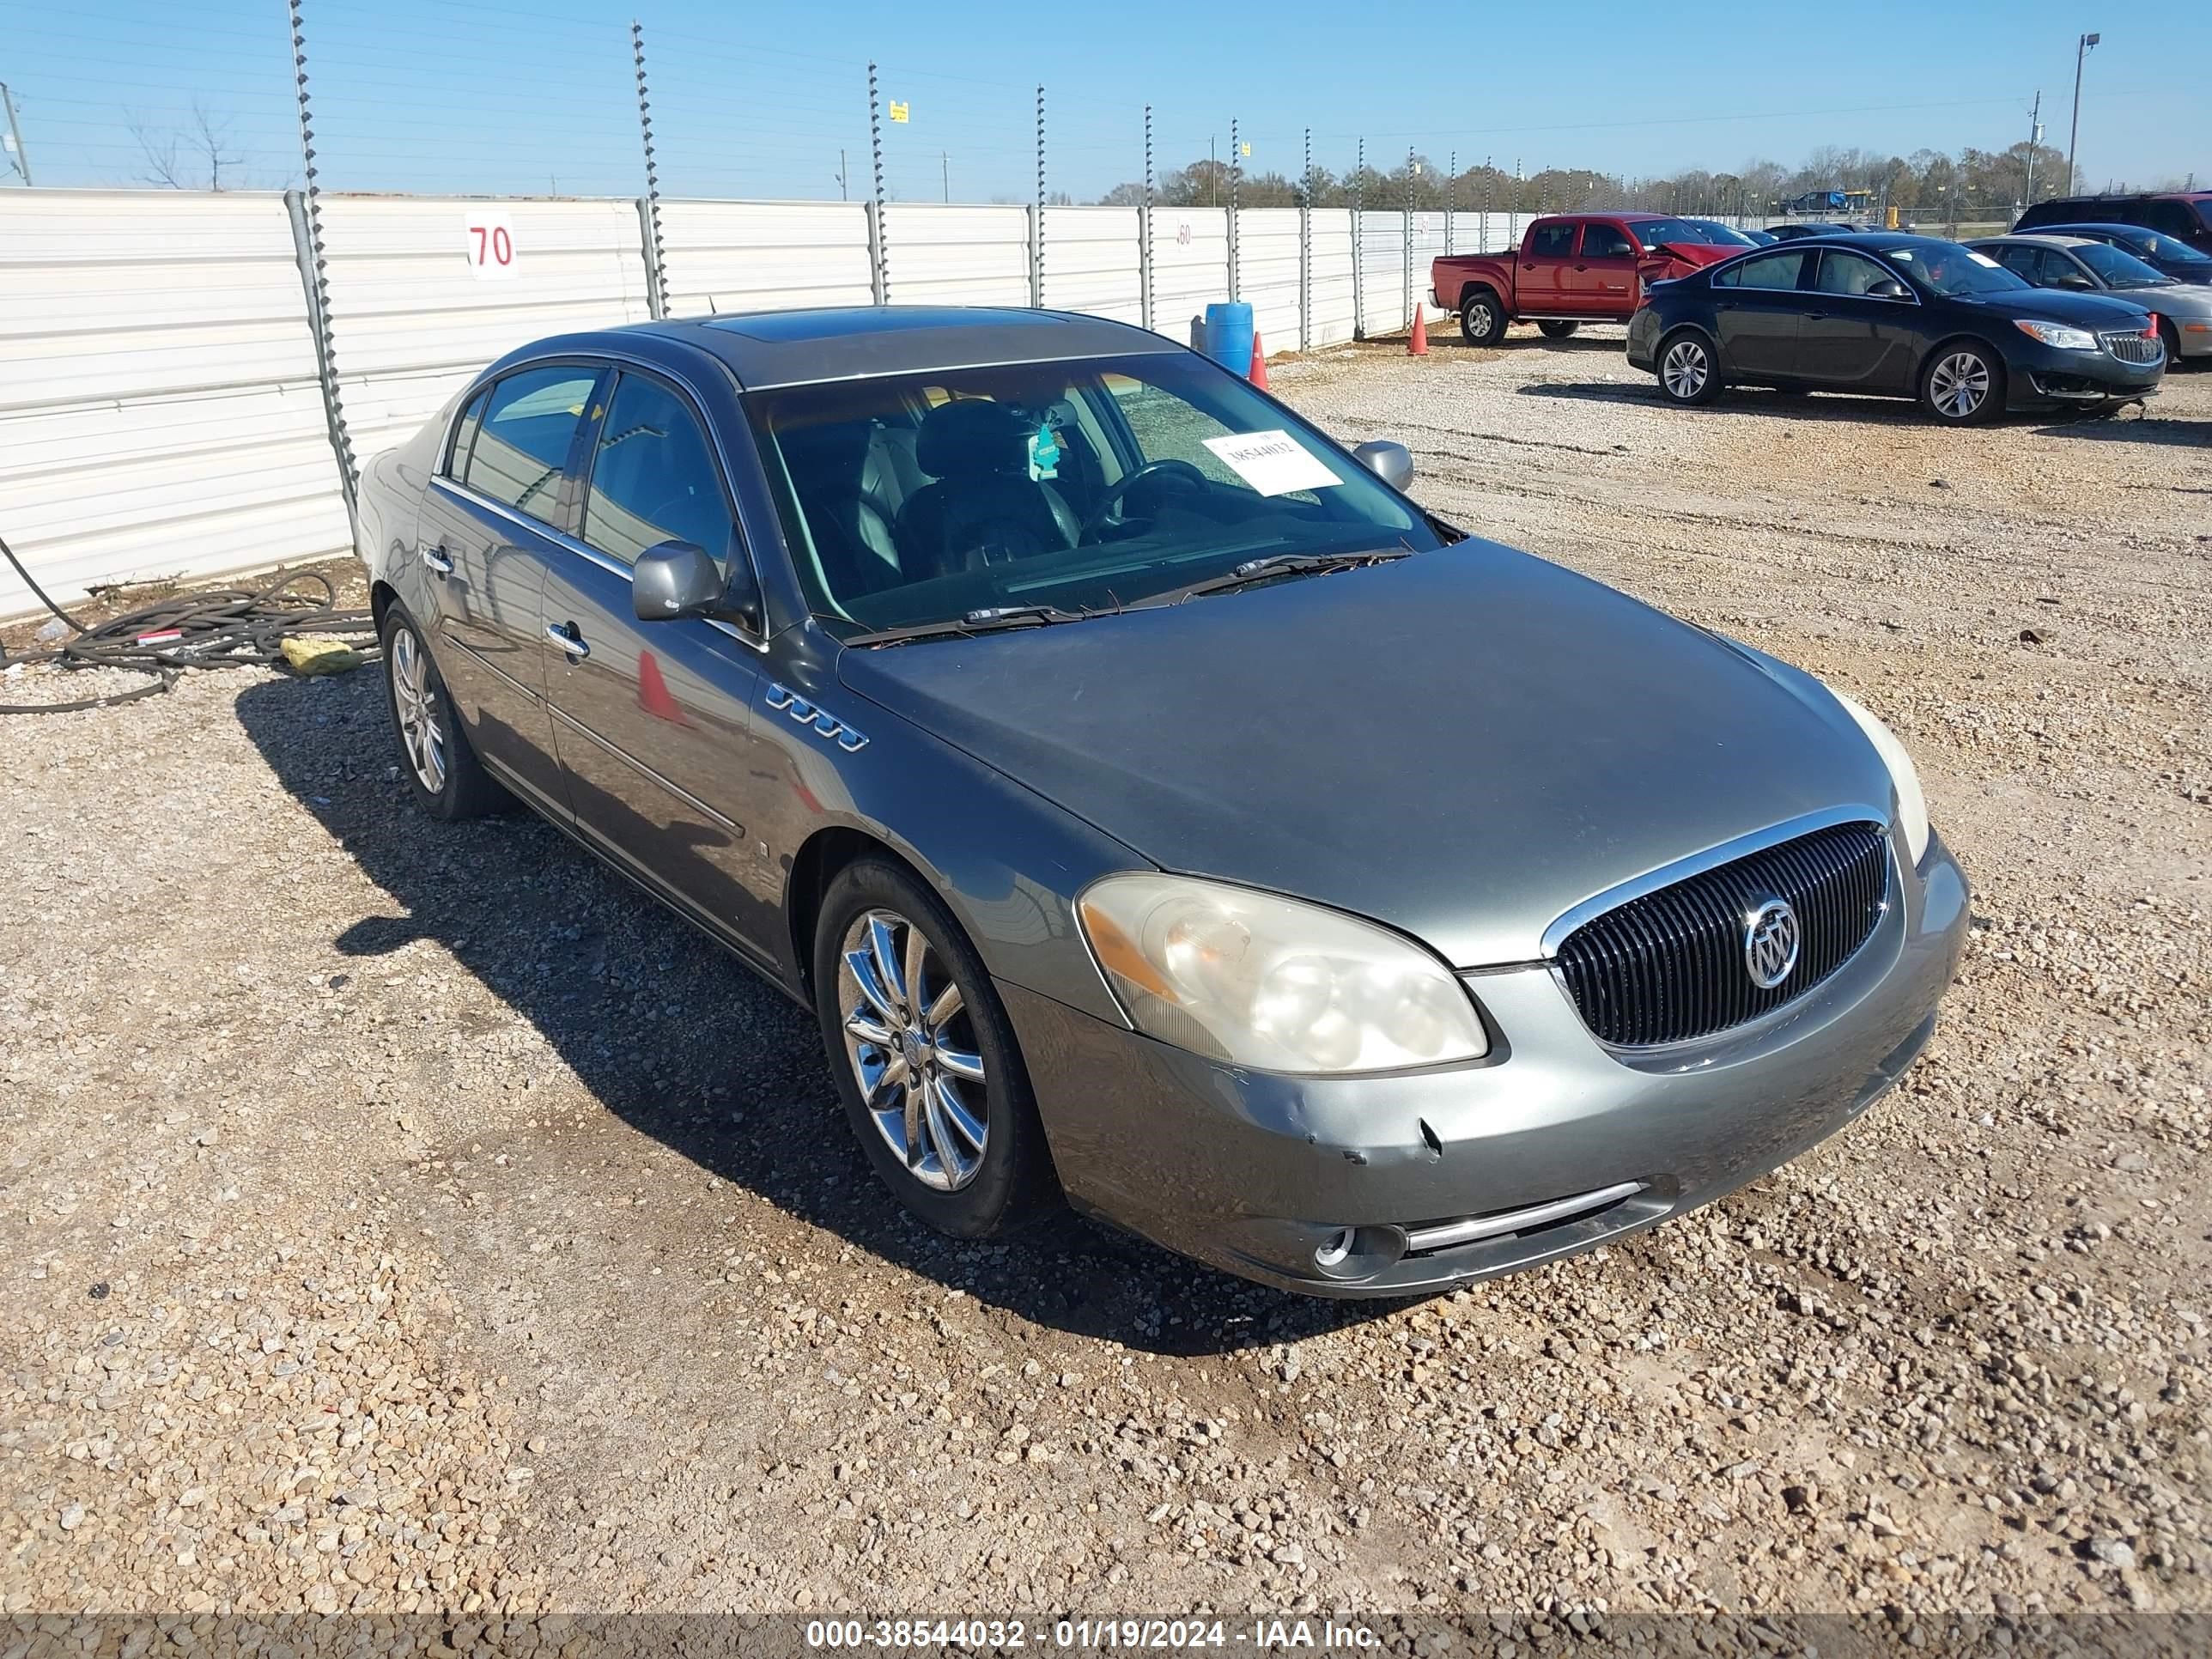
(2186, 214)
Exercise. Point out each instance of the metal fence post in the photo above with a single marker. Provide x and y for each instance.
(1407, 247)
(656, 270)
(306, 210)
(1451, 203)
(1359, 240)
(879, 247)
(1482, 227)
(1036, 225)
(1305, 251)
(1235, 173)
(1144, 230)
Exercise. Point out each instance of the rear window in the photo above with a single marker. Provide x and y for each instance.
(521, 448)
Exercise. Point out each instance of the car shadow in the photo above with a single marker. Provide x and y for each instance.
(1803, 406)
(2148, 429)
(670, 1034)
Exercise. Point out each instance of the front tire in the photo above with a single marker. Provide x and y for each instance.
(448, 780)
(2169, 335)
(926, 1060)
(1482, 318)
(1558, 331)
(1963, 385)
(1689, 373)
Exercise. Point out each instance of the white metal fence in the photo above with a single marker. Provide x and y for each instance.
(164, 412)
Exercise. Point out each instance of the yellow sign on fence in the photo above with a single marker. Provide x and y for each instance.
(898, 112)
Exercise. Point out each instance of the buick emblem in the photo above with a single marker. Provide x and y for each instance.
(1770, 937)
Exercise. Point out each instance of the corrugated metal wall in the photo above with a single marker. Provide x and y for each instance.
(764, 255)
(1428, 247)
(1330, 280)
(1268, 274)
(412, 319)
(1093, 262)
(158, 410)
(956, 255)
(1190, 265)
(161, 411)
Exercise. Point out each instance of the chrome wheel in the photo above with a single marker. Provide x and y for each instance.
(415, 701)
(1686, 369)
(911, 1041)
(1479, 319)
(1959, 384)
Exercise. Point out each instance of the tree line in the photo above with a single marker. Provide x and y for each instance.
(1928, 184)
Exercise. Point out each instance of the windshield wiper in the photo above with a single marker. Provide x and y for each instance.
(992, 619)
(1277, 565)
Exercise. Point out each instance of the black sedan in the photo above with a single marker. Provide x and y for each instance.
(1799, 233)
(2168, 255)
(1890, 315)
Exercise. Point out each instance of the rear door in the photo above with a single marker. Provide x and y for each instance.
(1603, 281)
(488, 529)
(1760, 312)
(1849, 338)
(1540, 278)
(652, 720)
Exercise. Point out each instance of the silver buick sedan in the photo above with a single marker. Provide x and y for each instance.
(1161, 812)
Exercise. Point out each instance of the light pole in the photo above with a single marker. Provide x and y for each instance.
(2073, 133)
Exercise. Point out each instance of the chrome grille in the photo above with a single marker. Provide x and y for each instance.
(2134, 348)
(1669, 966)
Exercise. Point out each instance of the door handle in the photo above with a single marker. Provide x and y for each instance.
(1816, 316)
(1582, 267)
(436, 558)
(565, 635)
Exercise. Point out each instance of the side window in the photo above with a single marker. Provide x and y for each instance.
(464, 435)
(1765, 271)
(1606, 242)
(653, 477)
(2171, 217)
(1843, 272)
(1553, 241)
(521, 445)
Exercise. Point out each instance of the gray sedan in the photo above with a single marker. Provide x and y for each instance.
(2084, 266)
(1161, 813)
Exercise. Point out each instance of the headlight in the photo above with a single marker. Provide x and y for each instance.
(1273, 982)
(1911, 804)
(2057, 334)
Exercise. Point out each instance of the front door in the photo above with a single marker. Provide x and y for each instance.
(1539, 283)
(1601, 283)
(1759, 312)
(652, 720)
(1850, 339)
(486, 537)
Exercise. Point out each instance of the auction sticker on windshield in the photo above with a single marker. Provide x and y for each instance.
(1272, 463)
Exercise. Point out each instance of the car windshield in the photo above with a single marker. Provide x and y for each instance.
(2117, 268)
(1951, 270)
(1092, 483)
(1653, 232)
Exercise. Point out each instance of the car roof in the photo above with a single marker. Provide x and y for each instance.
(764, 349)
(2074, 225)
(2038, 239)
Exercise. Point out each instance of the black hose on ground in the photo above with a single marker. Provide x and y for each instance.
(211, 628)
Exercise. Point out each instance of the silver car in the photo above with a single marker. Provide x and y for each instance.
(2084, 265)
(1159, 810)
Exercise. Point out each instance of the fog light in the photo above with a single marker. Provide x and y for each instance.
(1333, 1248)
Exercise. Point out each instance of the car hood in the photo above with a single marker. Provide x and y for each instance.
(1464, 743)
(2090, 311)
(2171, 299)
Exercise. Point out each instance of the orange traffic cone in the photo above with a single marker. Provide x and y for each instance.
(1258, 373)
(1418, 345)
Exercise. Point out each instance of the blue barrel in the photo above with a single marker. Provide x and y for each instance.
(1229, 335)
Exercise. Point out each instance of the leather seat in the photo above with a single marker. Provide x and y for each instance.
(984, 508)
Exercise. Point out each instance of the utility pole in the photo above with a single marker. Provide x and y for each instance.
(2034, 138)
(15, 135)
(1212, 174)
(945, 169)
(843, 193)
(2072, 135)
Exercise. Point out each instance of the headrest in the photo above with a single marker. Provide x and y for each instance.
(971, 436)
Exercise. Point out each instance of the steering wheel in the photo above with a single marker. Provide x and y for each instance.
(1168, 467)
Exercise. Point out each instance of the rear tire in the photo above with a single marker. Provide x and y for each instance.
(1558, 331)
(1689, 372)
(1964, 383)
(1482, 318)
(901, 993)
(448, 781)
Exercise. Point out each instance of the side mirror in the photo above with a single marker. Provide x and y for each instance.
(1889, 288)
(674, 578)
(2074, 279)
(1392, 463)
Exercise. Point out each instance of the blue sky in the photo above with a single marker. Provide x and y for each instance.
(758, 99)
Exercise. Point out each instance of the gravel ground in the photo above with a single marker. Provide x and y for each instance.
(396, 1217)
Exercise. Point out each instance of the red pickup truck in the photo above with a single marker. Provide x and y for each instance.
(1575, 268)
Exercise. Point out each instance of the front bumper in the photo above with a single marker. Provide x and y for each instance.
(2044, 376)
(1551, 1145)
